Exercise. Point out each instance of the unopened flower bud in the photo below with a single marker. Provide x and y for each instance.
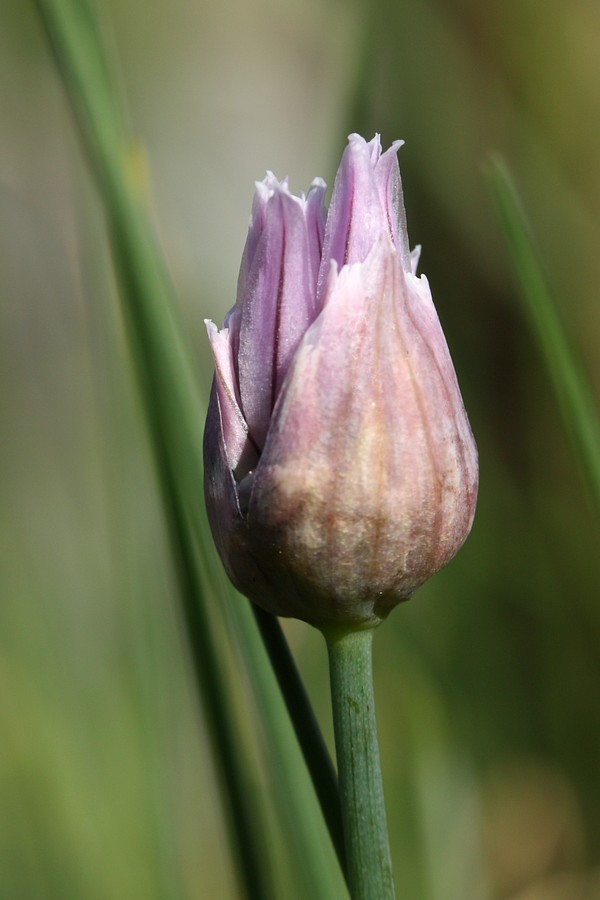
(340, 468)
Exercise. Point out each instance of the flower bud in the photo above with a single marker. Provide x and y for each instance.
(340, 468)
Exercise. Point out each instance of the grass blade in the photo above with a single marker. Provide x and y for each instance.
(573, 393)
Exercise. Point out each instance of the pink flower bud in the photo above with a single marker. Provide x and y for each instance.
(340, 468)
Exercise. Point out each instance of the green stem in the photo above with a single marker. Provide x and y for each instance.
(361, 790)
(306, 727)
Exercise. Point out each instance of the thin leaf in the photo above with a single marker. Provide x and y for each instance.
(572, 389)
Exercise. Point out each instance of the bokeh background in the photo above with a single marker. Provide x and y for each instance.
(488, 681)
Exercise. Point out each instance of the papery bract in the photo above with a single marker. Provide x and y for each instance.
(341, 471)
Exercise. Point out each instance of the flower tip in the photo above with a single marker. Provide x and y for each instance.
(270, 184)
(415, 256)
(317, 184)
(372, 147)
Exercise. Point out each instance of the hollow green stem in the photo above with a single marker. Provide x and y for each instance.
(368, 856)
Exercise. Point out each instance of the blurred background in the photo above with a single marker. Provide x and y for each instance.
(488, 681)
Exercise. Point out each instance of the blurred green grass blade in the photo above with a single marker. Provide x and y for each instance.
(306, 728)
(170, 400)
(167, 394)
(570, 384)
(312, 861)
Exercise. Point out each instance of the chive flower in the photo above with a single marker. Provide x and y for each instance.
(340, 468)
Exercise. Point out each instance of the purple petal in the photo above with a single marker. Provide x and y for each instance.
(366, 202)
(315, 225)
(391, 197)
(247, 559)
(238, 445)
(263, 192)
(370, 433)
(219, 484)
(279, 302)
